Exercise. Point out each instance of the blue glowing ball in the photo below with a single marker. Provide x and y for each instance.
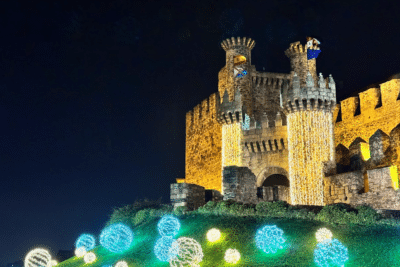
(87, 241)
(164, 250)
(270, 238)
(168, 226)
(116, 238)
(330, 253)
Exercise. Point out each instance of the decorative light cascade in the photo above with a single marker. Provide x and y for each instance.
(270, 239)
(80, 252)
(168, 226)
(309, 145)
(116, 238)
(190, 253)
(323, 235)
(231, 146)
(330, 253)
(232, 256)
(87, 241)
(164, 250)
(121, 264)
(89, 257)
(37, 257)
(213, 235)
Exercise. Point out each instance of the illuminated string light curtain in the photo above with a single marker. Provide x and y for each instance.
(231, 146)
(168, 226)
(309, 144)
(87, 241)
(330, 253)
(270, 238)
(37, 257)
(190, 253)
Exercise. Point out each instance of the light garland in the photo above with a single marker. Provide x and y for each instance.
(89, 257)
(309, 144)
(330, 253)
(164, 250)
(323, 235)
(121, 264)
(190, 252)
(232, 256)
(168, 226)
(270, 238)
(80, 252)
(86, 240)
(116, 238)
(37, 257)
(213, 235)
(231, 146)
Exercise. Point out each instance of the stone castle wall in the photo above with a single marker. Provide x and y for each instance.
(203, 146)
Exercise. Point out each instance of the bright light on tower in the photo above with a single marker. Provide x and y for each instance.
(213, 235)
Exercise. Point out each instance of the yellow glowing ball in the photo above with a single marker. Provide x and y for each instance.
(89, 257)
(52, 263)
(323, 234)
(37, 257)
(121, 264)
(80, 252)
(213, 235)
(232, 256)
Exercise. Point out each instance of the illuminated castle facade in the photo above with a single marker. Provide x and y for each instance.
(276, 136)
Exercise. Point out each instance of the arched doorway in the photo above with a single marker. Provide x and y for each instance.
(276, 179)
(273, 184)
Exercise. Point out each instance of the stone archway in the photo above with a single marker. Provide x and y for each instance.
(272, 172)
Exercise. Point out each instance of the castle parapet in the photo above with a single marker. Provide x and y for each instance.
(230, 111)
(322, 97)
(203, 112)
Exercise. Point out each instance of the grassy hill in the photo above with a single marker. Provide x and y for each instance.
(370, 239)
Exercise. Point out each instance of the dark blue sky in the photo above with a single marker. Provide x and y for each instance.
(93, 96)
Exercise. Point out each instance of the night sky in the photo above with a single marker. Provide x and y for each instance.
(93, 96)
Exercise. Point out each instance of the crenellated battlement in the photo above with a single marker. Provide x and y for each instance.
(230, 111)
(203, 112)
(265, 140)
(372, 101)
(234, 42)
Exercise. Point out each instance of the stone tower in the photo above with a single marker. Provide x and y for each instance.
(235, 91)
(309, 109)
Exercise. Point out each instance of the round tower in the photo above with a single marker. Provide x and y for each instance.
(299, 63)
(237, 70)
(309, 112)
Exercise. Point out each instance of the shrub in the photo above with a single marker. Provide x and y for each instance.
(208, 207)
(223, 207)
(180, 210)
(277, 208)
(367, 215)
(141, 216)
(236, 209)
(336, 214)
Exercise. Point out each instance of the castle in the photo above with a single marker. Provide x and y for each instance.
(276, 136)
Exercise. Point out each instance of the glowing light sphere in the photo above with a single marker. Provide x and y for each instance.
(89, 257)
(330, 253)
(121, 264)
(116, 238)
(37, 257)
(52, 263)
(87, 241)
(190, 252)
(323, 234)
(164, 250)
(80, 252)
(270, 238)
(232, 256)
(168, 226)
(213, 235)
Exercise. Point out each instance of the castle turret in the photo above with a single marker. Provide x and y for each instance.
(309, 111)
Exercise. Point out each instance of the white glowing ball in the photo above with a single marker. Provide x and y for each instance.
(213, 235)
(89, 257)
(232, 255)
(80, 252)
(190, 252)
(37, 257)
(323, 234)
(52, 263)
(121, 264)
